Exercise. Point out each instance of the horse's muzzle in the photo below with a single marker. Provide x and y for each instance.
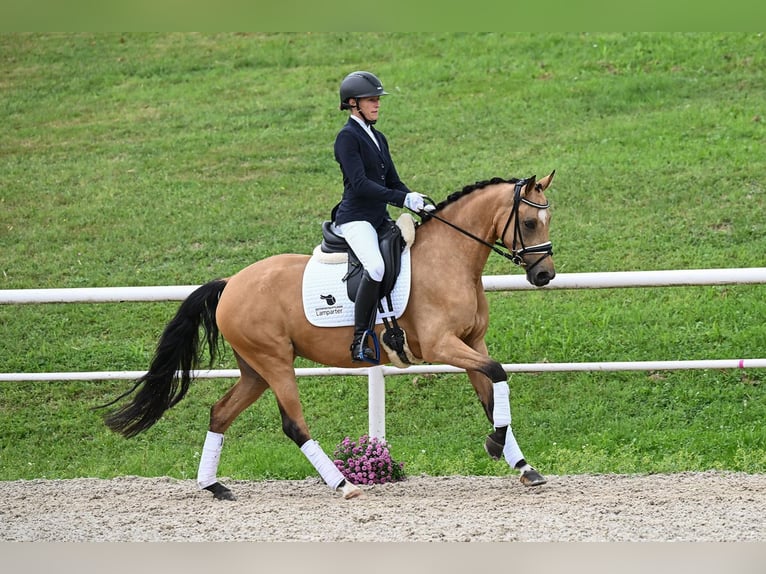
(540, 278)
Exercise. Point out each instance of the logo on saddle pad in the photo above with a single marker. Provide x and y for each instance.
(329, 299)
(331, 309)
(325, 297)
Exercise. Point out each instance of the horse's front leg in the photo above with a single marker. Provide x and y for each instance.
(490, 382)
(495, 398)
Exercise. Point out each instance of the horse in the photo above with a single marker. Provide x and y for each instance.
(258, 312)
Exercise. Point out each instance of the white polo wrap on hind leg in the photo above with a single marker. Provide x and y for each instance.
(325, 467)
(208, 462)
(501, 411)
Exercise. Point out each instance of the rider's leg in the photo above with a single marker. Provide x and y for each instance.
(363, 240)
(365, 310)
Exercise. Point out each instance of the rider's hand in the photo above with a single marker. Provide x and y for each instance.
(414, 201)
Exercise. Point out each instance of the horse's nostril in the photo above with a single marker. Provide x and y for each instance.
(542, 278)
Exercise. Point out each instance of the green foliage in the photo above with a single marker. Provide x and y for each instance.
(164, 159)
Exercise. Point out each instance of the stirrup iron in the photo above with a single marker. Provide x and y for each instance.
(359, 348)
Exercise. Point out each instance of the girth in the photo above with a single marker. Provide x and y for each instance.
(391, 244)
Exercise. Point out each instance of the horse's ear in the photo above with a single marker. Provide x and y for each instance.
(543, 184)
(530, 184)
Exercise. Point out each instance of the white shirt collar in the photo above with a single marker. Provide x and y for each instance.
(367, 129)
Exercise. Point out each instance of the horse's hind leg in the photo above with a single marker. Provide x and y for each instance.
(294, 426)
(281, 377)
(244, 393)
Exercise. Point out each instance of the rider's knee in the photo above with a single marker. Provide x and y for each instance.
(376, 271)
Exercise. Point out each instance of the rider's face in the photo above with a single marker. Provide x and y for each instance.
(369, 107)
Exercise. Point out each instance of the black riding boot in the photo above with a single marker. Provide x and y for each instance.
(365, 310)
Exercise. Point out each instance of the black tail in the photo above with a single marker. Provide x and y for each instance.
(178, 351)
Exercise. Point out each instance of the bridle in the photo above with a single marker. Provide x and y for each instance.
(515, 254)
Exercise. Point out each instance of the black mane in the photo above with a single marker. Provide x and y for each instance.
(453, 197)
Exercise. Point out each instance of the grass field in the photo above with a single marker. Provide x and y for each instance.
(164, 159)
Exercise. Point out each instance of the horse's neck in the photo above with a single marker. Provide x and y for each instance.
(438, 242)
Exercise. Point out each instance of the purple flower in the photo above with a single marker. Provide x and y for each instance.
(367, 461)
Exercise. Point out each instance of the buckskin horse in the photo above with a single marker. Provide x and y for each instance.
(258, 312)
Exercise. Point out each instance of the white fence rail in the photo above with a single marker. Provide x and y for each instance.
(376, 375)
(606, 280)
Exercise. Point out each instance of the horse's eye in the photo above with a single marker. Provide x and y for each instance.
(530, 223)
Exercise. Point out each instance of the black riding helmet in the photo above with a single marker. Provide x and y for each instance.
(359, 85)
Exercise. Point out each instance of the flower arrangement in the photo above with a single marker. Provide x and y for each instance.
(367, 461)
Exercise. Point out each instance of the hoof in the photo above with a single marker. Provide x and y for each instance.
(350, 491)
(494, 449)
(532, 478)
(220, 492)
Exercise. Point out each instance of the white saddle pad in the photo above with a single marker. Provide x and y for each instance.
(325, 298)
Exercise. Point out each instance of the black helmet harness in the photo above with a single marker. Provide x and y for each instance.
(369, 122)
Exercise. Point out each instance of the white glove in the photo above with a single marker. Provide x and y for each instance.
(414, 201)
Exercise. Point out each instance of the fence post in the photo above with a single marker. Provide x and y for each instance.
(376, 391)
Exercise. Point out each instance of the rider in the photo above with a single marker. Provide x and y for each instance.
(370, 182)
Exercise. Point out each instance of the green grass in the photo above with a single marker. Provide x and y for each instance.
(163, 159)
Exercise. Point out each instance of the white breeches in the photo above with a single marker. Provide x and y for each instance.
(363, 240)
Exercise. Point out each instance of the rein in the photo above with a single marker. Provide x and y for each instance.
(513, 254)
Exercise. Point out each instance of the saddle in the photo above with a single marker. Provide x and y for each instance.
(392, 244)
(393, 238)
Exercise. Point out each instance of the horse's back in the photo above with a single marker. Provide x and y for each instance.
(274, 266)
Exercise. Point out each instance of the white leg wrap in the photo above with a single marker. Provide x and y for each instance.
(325, 467)
(511, 450)
(501, 412)
(208, 462)
(501, 416)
